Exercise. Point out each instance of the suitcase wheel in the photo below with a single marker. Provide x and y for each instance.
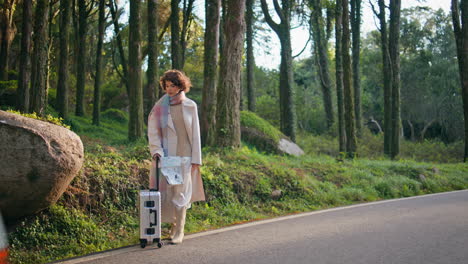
(143, 243)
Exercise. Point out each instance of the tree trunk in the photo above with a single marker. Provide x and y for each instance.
(347, 86)
(460, 29)
(287, 107)
(412, 135)
(25, 59)
(7, 34)
(152, 88)
(394, 48)
(339, 75)
(249, 19)
(62, 85)
(228, 97)
(176, 50)
(208, 107)
(356, 50)
(81, 58)
(98, 77)
(387, 79)
(39, 58)
(123, 60)
(136, 122)
(186, 20)
(321, 52)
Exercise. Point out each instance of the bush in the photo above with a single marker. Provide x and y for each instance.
(117, 115)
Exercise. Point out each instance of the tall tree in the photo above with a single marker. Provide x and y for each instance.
(176, 48)
(98, 76)
(7, 33)
(62, 85)
(387, 77)
(287, 106)
(228, 97)
(123, 61)
(179, 34)
(25, 59)
(136, 122)
(351, 143)
(321, 53)
(394, 49)
(208, 107)
(356, 50)
(152, 87)
(83, 13)
(39, 58)
(249, 20)
(460, 28)
(339, 75)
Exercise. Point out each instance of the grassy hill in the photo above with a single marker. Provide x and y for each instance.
(98, 211)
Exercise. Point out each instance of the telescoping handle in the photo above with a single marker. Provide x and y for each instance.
(157, 175)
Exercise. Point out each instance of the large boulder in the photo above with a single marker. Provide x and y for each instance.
(37, 160)
(261, 134)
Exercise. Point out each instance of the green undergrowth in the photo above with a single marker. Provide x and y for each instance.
(98, 210)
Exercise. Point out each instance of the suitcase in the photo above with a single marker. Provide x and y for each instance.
(150, 214)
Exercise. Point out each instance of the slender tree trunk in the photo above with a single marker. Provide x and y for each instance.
(135, 125)
(81, 58)
(186, 20)
(7, 34)
(228, 97)
(208, 107)
(152, 88)
(394, 48)
(356, 50)
(321, 52)
(387, 79)
(39, 58)
(286, 83)
(98, 77)
(249, 19)
(176, 49)
(62, 85)
(460, 29)
(351, 144)
(123, 60)
(25, 59)
(287, 107)
(339, 75)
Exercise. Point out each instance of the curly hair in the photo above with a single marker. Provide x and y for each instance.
(178, 78)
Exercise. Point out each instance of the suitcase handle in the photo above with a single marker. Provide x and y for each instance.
(155, 218)
(157, 175)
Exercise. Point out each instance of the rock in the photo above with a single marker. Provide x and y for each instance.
(422, 177)
(38, 160)
(435, 170)
(290, 147)
(264, 143)
(276, 194)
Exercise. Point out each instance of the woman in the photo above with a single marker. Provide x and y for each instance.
(174, 130)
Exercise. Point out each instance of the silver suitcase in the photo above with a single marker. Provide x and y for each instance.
(150, 215)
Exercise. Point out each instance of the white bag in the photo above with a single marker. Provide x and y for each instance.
(171, 168)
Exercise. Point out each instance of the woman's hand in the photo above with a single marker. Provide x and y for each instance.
(195, 167)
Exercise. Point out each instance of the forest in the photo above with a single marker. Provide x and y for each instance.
(80, 58)
(380, 114)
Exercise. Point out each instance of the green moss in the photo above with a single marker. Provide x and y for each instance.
(47, 118)
(251, 120)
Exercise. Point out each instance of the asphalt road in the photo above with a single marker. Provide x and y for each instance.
(426, 229)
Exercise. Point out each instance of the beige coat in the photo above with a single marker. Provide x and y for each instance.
(190, 114)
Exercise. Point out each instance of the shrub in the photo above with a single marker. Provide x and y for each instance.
(117, 115)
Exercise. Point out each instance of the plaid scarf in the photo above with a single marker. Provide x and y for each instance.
(161, 112)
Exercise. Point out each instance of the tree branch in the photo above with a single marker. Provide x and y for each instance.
(268, 18)
(279, 11)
